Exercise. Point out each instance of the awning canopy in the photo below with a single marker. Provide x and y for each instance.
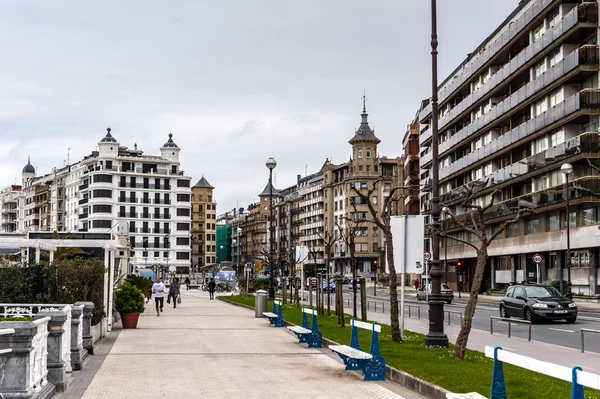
(148, 273)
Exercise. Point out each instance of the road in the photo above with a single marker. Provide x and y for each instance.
(555, 332)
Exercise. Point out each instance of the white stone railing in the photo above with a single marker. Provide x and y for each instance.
(66, 340)
(38, 360)
(6, 331)
(26, 309)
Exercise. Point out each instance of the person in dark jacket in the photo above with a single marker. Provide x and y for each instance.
(211, 288)
(187, 283)
(174, 292)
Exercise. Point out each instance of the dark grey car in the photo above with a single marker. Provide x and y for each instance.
(537, 302)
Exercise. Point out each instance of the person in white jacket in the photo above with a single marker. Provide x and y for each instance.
(158, 289)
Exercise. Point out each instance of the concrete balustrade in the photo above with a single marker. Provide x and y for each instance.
(37, 357)
(59, 338)
(88, 338)
(78, 352)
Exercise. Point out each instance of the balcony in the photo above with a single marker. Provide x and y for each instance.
(131, 200)
(552, 115)
(128, 214)
(505, 107)
(83, 201)
(83, 187)
(584, 143)
(83, 216)
(492, 49)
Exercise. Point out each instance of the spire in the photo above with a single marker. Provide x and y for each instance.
(170, 143)
(108, 138)
(364, 113)
(364, 131)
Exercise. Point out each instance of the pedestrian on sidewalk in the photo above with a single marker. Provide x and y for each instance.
(174, 292)
(211, 288)
(158, 289)
(187, 283)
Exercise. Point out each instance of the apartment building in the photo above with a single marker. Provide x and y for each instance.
(9, 208)
(319, 206)
(410, 144)
(204, 224)
(523, 104)
(112, 186)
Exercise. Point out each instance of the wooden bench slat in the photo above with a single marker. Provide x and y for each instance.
(309, 311)
(366, 326)
(300, 330)
(269, 314)
(350, 352)
(277, 303)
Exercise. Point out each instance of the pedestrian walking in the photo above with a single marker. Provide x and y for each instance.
(158, 289)
(211, 288)
(173, 292)
(187, 283)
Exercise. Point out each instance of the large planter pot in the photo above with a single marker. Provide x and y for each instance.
(130, 320)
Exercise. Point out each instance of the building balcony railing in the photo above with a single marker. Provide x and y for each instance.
(491, 50)
(83, 201)
(525, 93)
(128, 214)
(515, 66)
(566, 108)
(131, 200)
(83, 215)
(584, 143)
(83, 186)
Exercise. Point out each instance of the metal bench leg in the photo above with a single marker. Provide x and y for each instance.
(498, 389)
(375, 369)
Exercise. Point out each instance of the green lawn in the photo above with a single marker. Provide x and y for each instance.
(436, 365)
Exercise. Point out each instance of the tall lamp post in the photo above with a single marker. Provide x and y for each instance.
(192, 250)
(436, 335)
(567, 169)
(271, 164)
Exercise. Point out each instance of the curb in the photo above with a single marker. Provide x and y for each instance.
(400, 377)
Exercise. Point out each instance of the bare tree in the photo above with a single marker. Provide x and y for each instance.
(347, 234)
(382, 219)
(329, 240)
(474, 222)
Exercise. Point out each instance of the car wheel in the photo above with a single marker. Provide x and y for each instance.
(503, 312)
(571, 320)
(529, 315)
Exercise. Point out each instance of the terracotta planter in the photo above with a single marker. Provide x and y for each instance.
(130, 320)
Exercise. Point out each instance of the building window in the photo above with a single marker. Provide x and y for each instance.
(101, 224)
(183, 226)
(368, 153)
(183, 183)
(102, 194)
(533, 226)
(182, 255)
(183, 212)
(360, 153)
(590, 216)
(554, 221)
(183, 241)
(572, 219)
(513, 230)
(183, 197)
(104, 209)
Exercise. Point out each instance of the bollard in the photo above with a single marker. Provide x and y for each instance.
(261, 303)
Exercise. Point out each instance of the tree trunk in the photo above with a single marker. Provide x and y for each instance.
(328, 284)
(465, 329)
(394, 319)
(354, 283)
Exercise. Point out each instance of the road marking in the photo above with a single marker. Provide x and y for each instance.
(503, 322)
(560, 329)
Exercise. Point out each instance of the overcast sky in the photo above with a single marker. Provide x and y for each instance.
(235, 81)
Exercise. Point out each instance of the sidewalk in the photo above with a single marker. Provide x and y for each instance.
(211, 349)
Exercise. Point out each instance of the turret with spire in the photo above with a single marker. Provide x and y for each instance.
(28, 170)
(170, 150)
(364, 145)
(108, 147)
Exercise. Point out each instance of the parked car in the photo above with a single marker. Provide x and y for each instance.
(447, 293)
(536, 302)
(311, 281)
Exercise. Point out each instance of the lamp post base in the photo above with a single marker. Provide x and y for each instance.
(436, 335)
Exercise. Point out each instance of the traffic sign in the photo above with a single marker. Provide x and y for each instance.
(427, 255)
(537, 259)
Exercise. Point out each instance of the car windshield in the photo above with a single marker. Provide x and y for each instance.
(445, 287)
(542, 292)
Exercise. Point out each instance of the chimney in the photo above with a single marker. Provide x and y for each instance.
(299, 176)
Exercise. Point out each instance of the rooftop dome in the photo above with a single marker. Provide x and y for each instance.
(108, 138)
(29, 167)
(170, 143)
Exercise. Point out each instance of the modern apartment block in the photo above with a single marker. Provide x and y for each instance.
(317, 207)
(113, 186)
(204, 227)
(410, 144)
(9, 208)
(523, 104)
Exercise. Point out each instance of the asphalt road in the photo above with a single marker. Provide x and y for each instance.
(554, 332)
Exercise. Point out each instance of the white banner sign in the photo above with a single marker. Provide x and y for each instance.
(408, 238)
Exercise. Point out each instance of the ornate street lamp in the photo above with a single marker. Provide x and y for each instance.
(271, 164)
(567, 169)
(436, 335)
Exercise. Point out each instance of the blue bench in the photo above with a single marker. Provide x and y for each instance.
(311, 335)
(275, 316)
(371, 363)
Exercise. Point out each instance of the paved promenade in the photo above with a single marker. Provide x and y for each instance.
(211, 349)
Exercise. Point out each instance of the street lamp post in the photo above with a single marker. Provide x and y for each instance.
(567, 169)
(436, 335)
(271, 164)
(192, 250)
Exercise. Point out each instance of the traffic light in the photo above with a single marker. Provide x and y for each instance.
(458, 264)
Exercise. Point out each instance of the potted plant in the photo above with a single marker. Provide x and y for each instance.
(129, 302)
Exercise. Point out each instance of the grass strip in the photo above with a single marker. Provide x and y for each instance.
(436, 365)
(24, 318)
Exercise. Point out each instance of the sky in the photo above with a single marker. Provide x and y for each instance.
(236, 82)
